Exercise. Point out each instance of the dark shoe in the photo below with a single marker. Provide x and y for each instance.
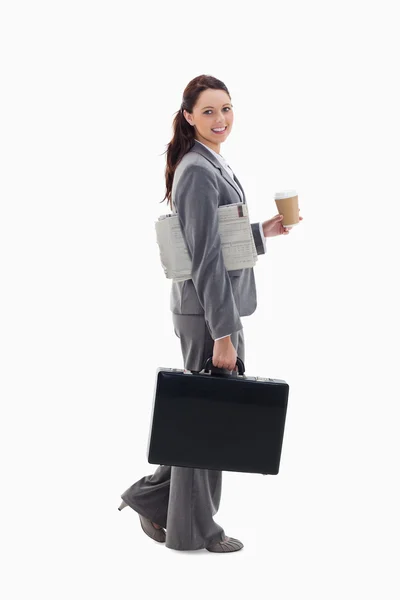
(158, 535)
(229, 544)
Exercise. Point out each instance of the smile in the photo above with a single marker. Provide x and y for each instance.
(219, 130)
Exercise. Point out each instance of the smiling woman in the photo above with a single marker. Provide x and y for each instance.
(211, 118)
(206, 115)
(206, 309)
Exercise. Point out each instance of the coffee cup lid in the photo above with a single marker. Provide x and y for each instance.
(285, 194)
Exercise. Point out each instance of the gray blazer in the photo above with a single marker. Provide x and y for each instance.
(200, 185)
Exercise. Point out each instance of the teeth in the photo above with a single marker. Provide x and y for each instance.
(219, 129)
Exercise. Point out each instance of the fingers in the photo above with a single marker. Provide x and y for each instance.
(224, 355)
(228, 366)
(220, 363)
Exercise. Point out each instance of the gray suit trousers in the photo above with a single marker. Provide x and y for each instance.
(181, 499)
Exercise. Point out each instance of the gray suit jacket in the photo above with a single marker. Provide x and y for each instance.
(200, 186)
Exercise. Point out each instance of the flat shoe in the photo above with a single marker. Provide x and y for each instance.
(229, 544)
(158, 535)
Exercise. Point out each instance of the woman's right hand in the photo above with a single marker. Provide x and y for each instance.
(224, 354)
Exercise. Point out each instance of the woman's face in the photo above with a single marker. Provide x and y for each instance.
(212, 110)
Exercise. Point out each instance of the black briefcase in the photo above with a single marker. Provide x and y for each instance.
(217, 420)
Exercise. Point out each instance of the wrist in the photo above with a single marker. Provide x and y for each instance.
(223, 340)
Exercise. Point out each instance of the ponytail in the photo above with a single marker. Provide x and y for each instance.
(184, 133)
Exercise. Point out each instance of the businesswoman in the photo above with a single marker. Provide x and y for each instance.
(206, 309)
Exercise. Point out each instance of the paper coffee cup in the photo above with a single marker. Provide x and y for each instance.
(287, 203)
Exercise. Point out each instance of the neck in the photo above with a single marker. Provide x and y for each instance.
(212, 145)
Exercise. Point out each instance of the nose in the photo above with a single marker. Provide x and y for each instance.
(221, 119)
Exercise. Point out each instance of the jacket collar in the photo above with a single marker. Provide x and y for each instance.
(200, 149)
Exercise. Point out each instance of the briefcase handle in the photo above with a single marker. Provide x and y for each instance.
(208, 366)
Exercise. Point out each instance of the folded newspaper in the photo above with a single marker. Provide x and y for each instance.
(238, 247)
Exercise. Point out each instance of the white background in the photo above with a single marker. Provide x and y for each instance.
(89, 92)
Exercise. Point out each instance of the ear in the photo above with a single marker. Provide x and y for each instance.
(184, 116)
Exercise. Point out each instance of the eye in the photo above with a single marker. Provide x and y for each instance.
(209, 110)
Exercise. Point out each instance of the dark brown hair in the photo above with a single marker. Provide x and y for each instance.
(183, 133)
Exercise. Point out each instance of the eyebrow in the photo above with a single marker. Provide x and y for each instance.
(226, 103)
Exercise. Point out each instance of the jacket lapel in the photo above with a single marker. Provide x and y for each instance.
(240, 185)
(200, 149)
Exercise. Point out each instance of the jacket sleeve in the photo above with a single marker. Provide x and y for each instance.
(196, 201)
(259, 238)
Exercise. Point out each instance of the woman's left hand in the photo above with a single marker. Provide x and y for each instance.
(274, 226)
